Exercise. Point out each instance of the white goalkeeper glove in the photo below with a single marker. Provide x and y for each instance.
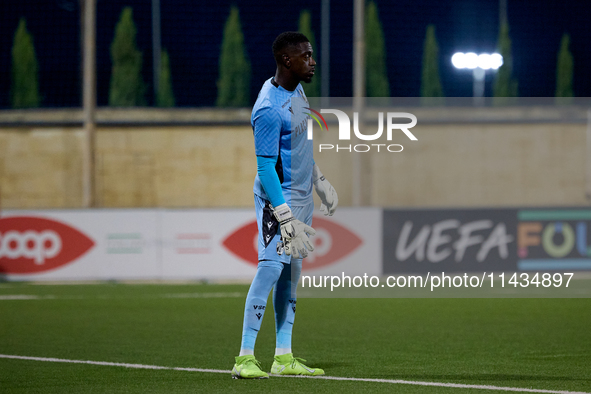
(325, 191)
(294, 232)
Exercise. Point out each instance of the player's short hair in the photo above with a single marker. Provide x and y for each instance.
(287, 39)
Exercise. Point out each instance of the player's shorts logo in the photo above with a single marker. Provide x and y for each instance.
(269, 224)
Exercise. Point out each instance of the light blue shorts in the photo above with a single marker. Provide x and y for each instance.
(270, 243)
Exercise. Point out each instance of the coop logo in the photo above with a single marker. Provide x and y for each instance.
(554, 239)
(345, 130)
(332, 242)
(31, 244)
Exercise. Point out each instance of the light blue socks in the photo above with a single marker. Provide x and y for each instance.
(268, 272)
(284, 278)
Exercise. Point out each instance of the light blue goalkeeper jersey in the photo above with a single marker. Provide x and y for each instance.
(280, 123)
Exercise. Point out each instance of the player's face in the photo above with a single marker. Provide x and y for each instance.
(302, 62)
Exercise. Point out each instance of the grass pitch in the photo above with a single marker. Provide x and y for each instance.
(519, 343)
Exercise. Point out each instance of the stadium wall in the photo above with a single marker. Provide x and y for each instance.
(205, 158)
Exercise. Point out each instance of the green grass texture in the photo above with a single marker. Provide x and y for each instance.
(539, 343)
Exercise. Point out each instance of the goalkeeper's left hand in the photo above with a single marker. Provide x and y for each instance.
(325, 191)
(293, 232)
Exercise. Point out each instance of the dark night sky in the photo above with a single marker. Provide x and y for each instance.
(192, 34)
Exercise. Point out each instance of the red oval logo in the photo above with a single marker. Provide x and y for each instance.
(332, 242)
(30, 244)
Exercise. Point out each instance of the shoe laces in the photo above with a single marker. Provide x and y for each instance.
(296, 360)
(253, 361)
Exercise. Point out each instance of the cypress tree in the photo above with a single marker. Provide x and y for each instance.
(165, 97)
(564, 73)
(24, 92)
(234, 68)
(375, 54)
(431, 90)
(505, 86)
(312, 89)
(127, 85)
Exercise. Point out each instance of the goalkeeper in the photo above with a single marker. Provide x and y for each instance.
(286, 173)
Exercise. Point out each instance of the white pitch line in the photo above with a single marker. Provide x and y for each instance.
(110, 364)
(391, 381)
(12, 297)
(203, 295)
(19, 297)
(438, 384)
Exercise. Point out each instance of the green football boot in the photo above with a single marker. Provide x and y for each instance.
(287, 364)
(247, 367)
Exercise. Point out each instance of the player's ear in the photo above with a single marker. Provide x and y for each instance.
(286, 60)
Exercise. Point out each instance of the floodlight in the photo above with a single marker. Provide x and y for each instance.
(471, 60)
(478, 64)
(484, 61)
(458, 60)
(496, 60)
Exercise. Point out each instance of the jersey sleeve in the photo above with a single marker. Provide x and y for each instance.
(267, 130)
(269, 179)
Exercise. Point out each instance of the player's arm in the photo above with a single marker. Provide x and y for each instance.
(267, 133)
(269, 179)
(267, 129)
(325, 191)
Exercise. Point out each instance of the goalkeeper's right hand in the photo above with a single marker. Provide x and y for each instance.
(294, 232)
